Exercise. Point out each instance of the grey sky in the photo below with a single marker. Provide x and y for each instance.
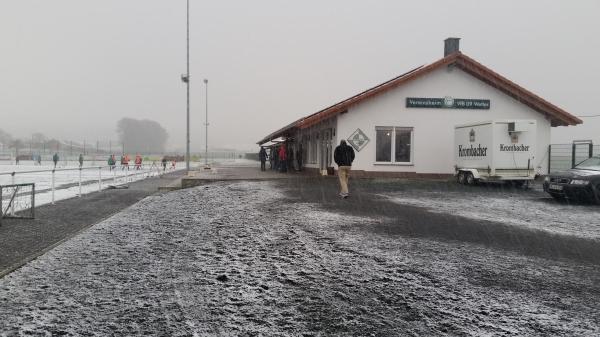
(72, 68)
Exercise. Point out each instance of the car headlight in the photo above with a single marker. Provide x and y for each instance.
(579, 182)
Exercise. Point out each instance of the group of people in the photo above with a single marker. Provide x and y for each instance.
(281, 158)
(125, 159)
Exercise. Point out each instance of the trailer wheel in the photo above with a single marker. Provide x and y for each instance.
(470, 180)
(461, 177)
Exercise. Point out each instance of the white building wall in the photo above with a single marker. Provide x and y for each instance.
(433, 138)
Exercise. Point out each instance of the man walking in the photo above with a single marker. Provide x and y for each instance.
(343, 156)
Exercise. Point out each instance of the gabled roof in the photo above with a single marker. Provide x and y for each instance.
(558, 116)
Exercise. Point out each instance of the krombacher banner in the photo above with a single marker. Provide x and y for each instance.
(447, 103)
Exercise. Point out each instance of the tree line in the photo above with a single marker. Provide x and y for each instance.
(134, 136)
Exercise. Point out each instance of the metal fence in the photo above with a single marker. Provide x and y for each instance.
(19, 197)
(71, 182)
(566, 156)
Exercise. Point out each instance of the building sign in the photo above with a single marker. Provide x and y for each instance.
(447, 103)
(358, 140)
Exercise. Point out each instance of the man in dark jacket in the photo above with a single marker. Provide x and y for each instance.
(343, 156)
(262, 155)
(55, 159)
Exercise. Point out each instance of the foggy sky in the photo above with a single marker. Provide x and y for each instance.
(72, 68)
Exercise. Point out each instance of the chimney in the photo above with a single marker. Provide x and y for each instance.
(451, 45)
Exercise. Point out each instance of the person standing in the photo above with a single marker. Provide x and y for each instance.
(80, 160)
(343, 156)
(282, 159)
(127, 161)
(55, 159)
(262, 155)
(299, 156)
(164, 163)
(138, 161)
(273, 158)
(111, 162)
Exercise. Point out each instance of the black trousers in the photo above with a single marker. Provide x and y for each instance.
(262, 165)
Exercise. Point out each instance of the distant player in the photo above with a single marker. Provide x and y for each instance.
(55, 159)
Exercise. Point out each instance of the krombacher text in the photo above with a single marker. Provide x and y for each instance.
(472, 151)
(514, 148)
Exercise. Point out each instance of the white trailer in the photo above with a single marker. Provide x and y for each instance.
(495, 151)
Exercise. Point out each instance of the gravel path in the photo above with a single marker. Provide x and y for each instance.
(251, 259)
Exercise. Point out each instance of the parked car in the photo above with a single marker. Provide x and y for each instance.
(579, 183)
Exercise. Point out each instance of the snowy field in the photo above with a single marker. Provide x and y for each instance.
(530, 210)
(242, 259)
(66, 179)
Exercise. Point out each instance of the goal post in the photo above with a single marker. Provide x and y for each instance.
(17, 201)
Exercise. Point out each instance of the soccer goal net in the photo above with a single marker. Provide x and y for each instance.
(18, 201)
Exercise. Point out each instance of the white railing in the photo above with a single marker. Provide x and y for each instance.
(92, 177)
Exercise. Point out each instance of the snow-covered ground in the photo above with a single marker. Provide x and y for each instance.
(240, 259)
(518, 208)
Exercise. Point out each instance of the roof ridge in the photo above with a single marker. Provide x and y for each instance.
(558, 115)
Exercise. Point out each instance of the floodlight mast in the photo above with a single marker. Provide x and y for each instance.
(187, 82)
(206, 127)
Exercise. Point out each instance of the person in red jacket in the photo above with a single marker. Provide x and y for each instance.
(282, 158)
(138, 161)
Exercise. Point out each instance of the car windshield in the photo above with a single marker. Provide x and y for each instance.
(590, 164)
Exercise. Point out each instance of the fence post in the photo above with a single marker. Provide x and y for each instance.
(53, 180)
(80, 182)
(591, 145)
(99, 178)
(549, 157)
(33, 201)
(127, 174)
(573, 150)
(12, 206)
(114, 169)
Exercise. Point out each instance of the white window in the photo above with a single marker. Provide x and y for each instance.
(393, 145)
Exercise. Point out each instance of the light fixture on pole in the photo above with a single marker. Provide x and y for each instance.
(206, 167)
(186, 79)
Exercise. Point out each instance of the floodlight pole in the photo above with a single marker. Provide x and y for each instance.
(206, 127)
(187, 82)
